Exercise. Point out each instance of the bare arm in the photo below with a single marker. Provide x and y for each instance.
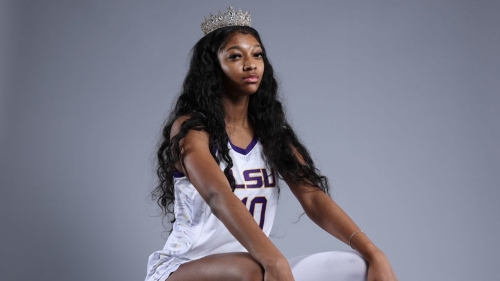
(205, 174)
(322, 210)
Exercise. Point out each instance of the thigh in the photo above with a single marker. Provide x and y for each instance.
(337, 265)
(228, 266)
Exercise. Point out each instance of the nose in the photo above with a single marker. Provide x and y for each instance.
(249, 65)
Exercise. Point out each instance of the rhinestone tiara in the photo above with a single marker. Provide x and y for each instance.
(230, 18)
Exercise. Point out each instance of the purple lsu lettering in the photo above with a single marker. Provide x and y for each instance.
(257, 178)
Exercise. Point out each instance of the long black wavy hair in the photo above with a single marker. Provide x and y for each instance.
(200, 98)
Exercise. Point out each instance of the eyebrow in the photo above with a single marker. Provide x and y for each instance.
(239, 47)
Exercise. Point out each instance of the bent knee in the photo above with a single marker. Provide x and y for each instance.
(355, 266)
(338, 265)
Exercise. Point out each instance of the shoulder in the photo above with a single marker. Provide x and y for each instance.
(190, 135)
(176, 126)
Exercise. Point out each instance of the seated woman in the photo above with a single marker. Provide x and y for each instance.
(224, 146)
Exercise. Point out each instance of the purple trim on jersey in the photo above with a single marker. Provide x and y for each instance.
(178, 174)
(247, 150)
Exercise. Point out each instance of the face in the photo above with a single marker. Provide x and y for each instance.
(242, 63)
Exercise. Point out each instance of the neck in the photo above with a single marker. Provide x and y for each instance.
(236, 111)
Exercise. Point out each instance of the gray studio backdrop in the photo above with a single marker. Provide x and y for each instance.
(398, 102)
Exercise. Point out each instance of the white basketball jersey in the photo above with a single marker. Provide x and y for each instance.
(197, 232)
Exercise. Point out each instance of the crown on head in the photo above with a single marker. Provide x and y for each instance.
(230, 18)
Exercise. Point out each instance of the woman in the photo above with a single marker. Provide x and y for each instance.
(224, 144)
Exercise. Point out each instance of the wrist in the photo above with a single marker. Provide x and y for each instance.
(374, 255)
(272, 262)
(361, 243)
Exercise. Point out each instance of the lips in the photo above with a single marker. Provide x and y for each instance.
(252, 78)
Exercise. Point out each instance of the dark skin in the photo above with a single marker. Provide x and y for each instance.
(242, 64)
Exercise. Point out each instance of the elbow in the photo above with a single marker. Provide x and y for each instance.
(311, 213)
(211, 199)
(312, 208)
(309, 209)
(216, 202)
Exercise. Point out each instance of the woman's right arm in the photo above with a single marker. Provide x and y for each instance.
(205, 174)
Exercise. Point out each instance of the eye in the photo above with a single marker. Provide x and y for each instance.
(259, 54)
(234, 56)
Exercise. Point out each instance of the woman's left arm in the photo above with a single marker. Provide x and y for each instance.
(322, 210)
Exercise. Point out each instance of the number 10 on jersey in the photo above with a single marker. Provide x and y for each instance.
(257, 209)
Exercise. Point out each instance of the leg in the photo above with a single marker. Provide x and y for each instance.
(341, 266)
(227, 267)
